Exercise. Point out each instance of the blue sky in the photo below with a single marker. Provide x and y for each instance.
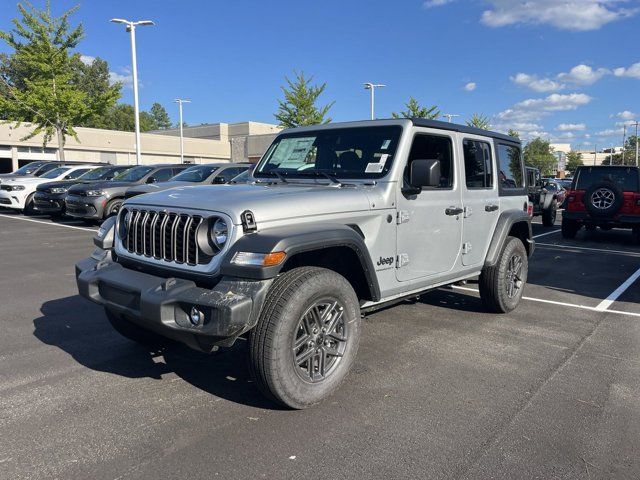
(566, 70)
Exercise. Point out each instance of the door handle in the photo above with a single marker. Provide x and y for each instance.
(491, 208)
(452, 211)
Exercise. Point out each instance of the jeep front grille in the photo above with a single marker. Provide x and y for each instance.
(171, 237)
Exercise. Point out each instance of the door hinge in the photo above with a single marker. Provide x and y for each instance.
(402, 216)
(467, 212)
(402, 260)
(466, 248)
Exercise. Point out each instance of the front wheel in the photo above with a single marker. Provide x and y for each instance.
(307, 337)
(501, 285)
(549, 214)
(112, 208)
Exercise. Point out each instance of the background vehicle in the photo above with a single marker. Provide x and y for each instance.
(341, 219)
(49, 197)
(38, 168)
(546, 196)
(605, 197)
(210, 173)
(100, 200)
(18, 193)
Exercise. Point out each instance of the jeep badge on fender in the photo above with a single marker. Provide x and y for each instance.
(293, 258)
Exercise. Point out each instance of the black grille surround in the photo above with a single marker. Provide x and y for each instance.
(165, 236)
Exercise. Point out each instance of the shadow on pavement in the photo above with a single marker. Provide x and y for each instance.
(81, 329)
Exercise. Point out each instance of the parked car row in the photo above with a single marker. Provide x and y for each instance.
(95, 192)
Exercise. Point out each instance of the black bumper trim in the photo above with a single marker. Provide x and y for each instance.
(615, 220)
(162, 305)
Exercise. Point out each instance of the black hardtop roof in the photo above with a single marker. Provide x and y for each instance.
(456, 127)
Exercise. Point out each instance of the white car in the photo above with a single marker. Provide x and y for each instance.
(17, 193)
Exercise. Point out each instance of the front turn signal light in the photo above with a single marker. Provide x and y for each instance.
(258, 259)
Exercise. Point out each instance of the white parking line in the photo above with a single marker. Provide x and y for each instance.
(546, 233)
(86, 229)
(563, 304)
(606, 303)
(588, 249)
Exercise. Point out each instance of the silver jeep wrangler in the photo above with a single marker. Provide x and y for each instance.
(338, 220)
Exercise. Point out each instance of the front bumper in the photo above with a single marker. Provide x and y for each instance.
(13, 199)
(85, 207)
(162, 305)
(49, 202)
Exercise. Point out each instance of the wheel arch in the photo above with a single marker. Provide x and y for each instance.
(513, 223)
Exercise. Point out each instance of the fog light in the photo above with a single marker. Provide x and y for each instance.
(196, 316)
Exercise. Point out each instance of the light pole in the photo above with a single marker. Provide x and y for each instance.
(180, 101)
(449, 116)
(131, 28)
(372, 87)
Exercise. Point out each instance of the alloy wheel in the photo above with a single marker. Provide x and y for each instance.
(514, 278)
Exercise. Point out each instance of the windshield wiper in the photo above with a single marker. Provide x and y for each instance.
(328, 175)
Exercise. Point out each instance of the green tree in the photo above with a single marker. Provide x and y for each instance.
(479, 120)
(122, 117)
(414, 110)
(160, 116)
(574, 160)
(629, 157)
(39, 83)
(538, 153)
(298, 108)
(513, 133)
(92, 77)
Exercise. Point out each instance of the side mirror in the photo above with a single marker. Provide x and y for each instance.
(219, 180)
(151, 180)
(423, 173)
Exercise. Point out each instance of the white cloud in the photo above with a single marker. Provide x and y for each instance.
(609, 132)
(537, 84)
(579, 15)
(584, 75)
(126, 78)
(436, 3)
(628, 123)
(626, 115)
(470, 87)
(87, 59)
(536, 108)
(566, 127)
(633, 71)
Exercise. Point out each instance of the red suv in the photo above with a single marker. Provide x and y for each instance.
(603, 196)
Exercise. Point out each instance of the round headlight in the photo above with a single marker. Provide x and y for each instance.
(125, 219)
(219, 233)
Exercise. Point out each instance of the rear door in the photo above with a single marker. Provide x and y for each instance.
(479, 197)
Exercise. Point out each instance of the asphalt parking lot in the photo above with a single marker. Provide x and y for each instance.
(440, 389)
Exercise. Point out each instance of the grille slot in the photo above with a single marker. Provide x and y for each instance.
(165, 236)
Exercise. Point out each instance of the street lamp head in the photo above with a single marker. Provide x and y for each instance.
(144, 22)
(118, 20)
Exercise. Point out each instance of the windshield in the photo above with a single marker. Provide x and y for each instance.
(28, 168)
(359, 152)
(55, 173)
(132, 175)
(242, 178)
(195, 174)
(625, 177)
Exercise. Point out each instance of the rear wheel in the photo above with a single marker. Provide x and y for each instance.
(501, 285)
(549, 215)
(134, 332)
(306, 338)
(569, 228)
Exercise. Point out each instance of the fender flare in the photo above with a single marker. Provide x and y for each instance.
(300, 239)
(507, 220)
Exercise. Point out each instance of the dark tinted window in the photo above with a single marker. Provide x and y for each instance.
(28, 168)
(76, 173)
(433, 147)
(195, 174)
(477, 164)
(46, 168)
(509, 166)
(228, 174)
(163, 174)
(625, 177)
(133, 174)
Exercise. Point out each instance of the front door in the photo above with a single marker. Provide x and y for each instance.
(480, 198)
(429, 231)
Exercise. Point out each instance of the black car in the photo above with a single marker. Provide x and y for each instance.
(97, 201)
(49, 197)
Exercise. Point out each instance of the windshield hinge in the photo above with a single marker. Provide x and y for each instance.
(402, 216)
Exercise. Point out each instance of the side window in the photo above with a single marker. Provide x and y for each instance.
(477, 164)
(46, 168)
(163, 175)
(531, 178)
(509, 167)
(226, 175)
(433, 147)
(76, 173)
(176, 171)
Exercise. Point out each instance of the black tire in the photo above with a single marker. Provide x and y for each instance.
(590, 227)
(272, 355)
(613, 191)
(112, 208)
(29, 207)
(569, 228)
(636, 234)
(549, 214)
(135, 333)
(501, 285)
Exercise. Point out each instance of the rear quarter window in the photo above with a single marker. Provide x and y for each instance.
(510, 167)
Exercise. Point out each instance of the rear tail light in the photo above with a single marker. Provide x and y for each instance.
(530, 209)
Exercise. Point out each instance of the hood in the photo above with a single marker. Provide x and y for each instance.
(101, 185)
(62, 183)
(158, 187)
(20, 180)
(267, 202)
